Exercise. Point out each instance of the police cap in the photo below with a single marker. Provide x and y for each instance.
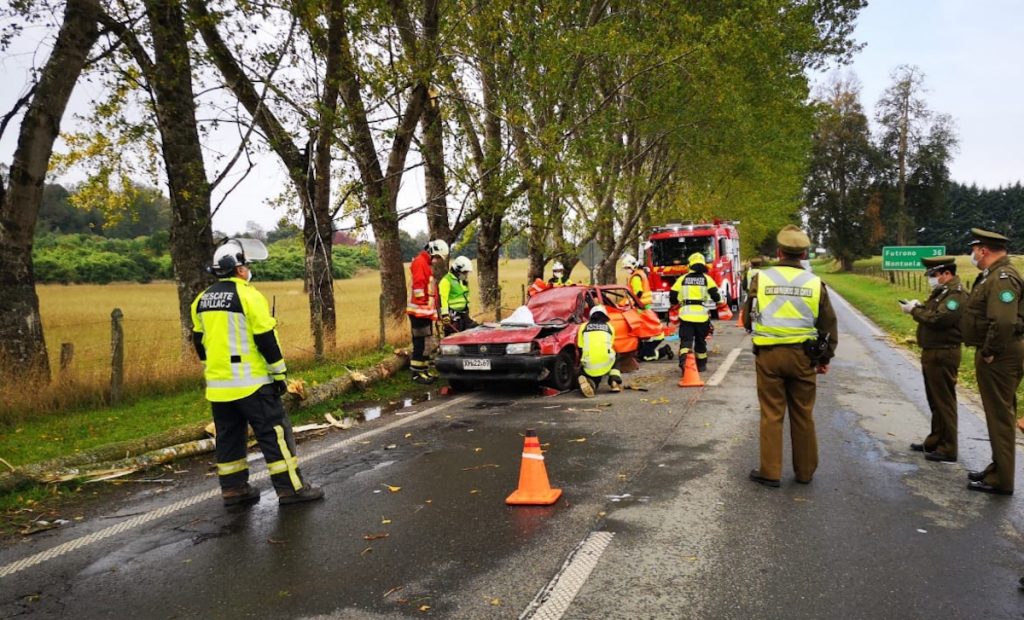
(988, 238)
(793, 240)
(935, 264)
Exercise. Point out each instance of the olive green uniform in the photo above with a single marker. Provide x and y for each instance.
(786, 377)
(992, 322)
(938, 335)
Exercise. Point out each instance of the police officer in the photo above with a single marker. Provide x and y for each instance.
(794, 336)
(422, 308)
(235, 337)
(993, 322)
(454, 293)
(596, 341)
(690, 291)
(938, 335)
(650, 351)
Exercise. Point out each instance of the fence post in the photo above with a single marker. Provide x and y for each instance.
(67, 355)
(381, 312)
(116, 355)
(523, 287)
(497, 306)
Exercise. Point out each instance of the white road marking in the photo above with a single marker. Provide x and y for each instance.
(142, 519)
(724, 368)
(554, 599)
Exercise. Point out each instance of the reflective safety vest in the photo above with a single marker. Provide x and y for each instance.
(229, 316)
(788, 299)
(597, 353)
(563, 281)
(692, 290)
(421, 297)
(639, 285)
(454, 294)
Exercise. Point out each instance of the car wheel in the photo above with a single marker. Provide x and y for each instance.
(563, 372)
(460, 385)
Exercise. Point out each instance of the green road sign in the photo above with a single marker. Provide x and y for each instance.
(908, 257)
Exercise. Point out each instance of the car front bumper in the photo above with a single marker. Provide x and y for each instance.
(503, 367)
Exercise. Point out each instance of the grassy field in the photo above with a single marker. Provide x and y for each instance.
(80, 315)
(876, 297)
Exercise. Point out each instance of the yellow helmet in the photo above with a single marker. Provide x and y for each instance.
(696, 259)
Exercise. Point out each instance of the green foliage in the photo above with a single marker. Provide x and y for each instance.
(82, 258)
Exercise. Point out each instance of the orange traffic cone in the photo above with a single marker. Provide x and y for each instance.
(739, 318)
(534, 488)
(724, 313)
(690, 378)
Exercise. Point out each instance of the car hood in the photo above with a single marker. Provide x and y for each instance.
(491, 333)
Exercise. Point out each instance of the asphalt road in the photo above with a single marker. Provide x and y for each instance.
(657, 519)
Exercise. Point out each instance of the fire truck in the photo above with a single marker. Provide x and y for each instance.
(670, 246)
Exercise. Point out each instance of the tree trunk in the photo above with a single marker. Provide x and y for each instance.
(488, 252)
(433, 171)
(22, 346)
(170, 77)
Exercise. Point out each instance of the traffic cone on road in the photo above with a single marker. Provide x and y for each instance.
(739, 318)
(724, 312)
(534, 488)
(691, 377)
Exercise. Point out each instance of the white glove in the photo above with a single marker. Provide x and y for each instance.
(906, 307)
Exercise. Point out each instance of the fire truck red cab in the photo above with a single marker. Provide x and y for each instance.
(670, 246)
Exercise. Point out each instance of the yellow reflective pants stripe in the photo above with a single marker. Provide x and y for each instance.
(232, 467)
(291, 463)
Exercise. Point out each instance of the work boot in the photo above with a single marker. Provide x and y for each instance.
(422, 378)
(616, 386)
(245, 494)
(665, 352)
(586, 387)
(305, 494)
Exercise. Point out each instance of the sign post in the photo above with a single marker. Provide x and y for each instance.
(591, 256)
(908, 257)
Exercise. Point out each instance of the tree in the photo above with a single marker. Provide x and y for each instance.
(917, 144)
(22, 346)
(839, 185)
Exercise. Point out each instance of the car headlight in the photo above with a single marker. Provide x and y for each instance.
(518, 348)
(450, 349)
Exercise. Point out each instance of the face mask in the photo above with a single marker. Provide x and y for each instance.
(974, 260)
(248, 276)
(933, 282)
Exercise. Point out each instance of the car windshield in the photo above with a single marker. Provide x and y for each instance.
(676, 251)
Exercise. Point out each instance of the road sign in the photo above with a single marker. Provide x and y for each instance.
(908, 257)
(591, 256)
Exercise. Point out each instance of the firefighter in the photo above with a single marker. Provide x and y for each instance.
(690, 292)
(422, 308)
(794, 335)
(938, 335)
(993, 322)
(234, 335)
(453, 291)
(641, 288)
(558, 277)
(595, 340)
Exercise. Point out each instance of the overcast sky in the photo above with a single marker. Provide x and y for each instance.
(970, 52)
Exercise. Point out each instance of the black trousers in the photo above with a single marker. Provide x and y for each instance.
(264, 412)
(461, 321)
(692, 337)
(421, 330)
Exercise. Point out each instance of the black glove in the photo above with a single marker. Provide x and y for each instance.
(281, 387)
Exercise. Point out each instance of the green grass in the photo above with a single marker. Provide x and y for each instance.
(876, 298)
(44, 437)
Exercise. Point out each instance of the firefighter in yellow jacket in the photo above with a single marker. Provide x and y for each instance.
(690, 292)
(651, 349)
(234, 335)
(596, 339)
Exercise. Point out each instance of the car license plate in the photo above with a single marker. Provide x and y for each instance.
(476, 364)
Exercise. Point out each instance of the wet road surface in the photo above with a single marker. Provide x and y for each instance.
(661, 474)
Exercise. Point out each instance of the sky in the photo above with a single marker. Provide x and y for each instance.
(970, 53)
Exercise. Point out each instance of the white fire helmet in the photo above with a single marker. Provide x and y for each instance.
(557, 267)
(235, 253)
(599, 309)
(438, 247)
(629, 262)
(462, 265)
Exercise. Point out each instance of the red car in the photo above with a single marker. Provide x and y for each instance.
(544, 350)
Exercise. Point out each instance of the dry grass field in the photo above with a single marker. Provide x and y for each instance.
(80, 314)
